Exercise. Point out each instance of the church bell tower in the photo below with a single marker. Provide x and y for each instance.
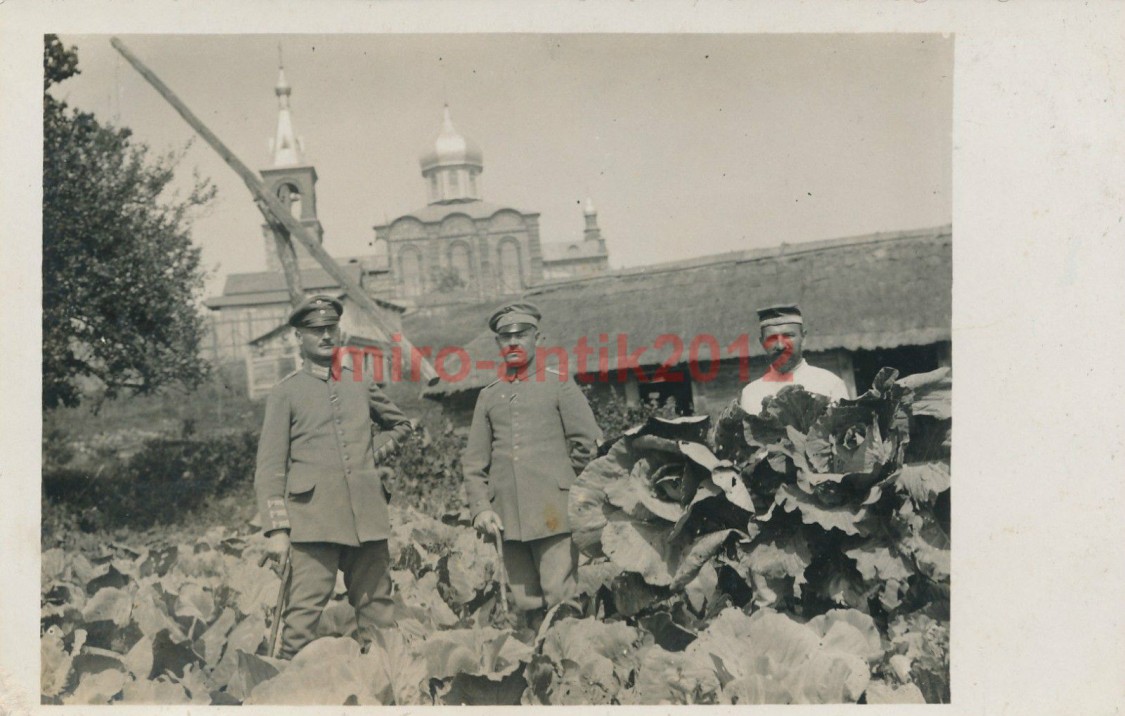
(292, 179)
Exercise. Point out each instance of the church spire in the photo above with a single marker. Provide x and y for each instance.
(290, 177)
(286, 147)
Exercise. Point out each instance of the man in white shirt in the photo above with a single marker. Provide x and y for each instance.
(783, 337)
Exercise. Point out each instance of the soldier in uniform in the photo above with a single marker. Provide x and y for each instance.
(318, 486)
(532, 433)
(782, 333)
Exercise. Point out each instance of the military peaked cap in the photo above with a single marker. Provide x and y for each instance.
(514, 317)
(316, 311)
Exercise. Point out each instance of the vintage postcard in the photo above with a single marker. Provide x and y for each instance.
(563, 355)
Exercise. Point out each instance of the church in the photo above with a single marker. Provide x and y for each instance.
(877, 300)
(457, 249)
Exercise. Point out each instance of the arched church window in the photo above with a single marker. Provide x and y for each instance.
(460, 261)
(511, 280)
(410, 264)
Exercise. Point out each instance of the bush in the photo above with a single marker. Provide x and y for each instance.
(427, 470)
(614, 416)
(427, 467)
(166, 478)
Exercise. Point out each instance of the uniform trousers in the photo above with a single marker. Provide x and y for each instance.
(542, 572)
(367, 578)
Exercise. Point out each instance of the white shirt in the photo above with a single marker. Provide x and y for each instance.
(812, 379)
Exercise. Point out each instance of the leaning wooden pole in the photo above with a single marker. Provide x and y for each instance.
(282, 216)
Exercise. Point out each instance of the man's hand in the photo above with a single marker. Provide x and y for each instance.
(488, 522)
(385, 450)
(277, 544)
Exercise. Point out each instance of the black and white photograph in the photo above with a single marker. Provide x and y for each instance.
(609, 366)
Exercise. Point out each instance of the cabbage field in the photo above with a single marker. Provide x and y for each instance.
(798, 556)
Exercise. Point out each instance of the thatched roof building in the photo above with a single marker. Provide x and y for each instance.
(871, 295)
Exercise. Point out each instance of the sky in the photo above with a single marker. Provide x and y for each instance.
(688, 145)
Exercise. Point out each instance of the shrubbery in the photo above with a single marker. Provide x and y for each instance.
(168, 477)
(165, 479)
(427, 471)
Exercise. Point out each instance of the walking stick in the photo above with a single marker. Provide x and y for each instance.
(503, 575)
(282, 602)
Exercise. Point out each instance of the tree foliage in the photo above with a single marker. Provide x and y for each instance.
(120, 275)
(447, 279)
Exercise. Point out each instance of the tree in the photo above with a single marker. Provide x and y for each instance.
(447, 279)
(121, 278)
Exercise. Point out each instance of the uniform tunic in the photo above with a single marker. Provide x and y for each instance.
(316, 471)
(530, 437)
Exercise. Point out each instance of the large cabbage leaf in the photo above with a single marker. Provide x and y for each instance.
(110, 604)
(769, 657)
(640, 547)
(923, 482)
(584, 661)
(334, 670)
(588, 509)
(159, 691)
(702, 550)
(419, 598)
(487, 651)
(97, 688)
(931, 393)
(880, 692)
(885, 571)
(636, 496)
(54, 663)
(672, 678)
(470, 566)
(846, 518)
(776, 567)
(792, 406)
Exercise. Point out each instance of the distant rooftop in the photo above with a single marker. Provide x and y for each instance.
(477, 209)
(266, 287)
(564, 251)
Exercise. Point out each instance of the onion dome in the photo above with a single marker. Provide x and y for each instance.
(451, 149)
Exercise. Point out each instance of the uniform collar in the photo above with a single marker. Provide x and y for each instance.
(317, 371)
(517, 377)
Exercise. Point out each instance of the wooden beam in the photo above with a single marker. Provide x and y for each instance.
(285, 253)
(281, 214)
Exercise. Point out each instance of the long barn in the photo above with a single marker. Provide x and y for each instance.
(869, 301)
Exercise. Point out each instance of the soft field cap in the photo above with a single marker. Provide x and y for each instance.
(780, 315)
